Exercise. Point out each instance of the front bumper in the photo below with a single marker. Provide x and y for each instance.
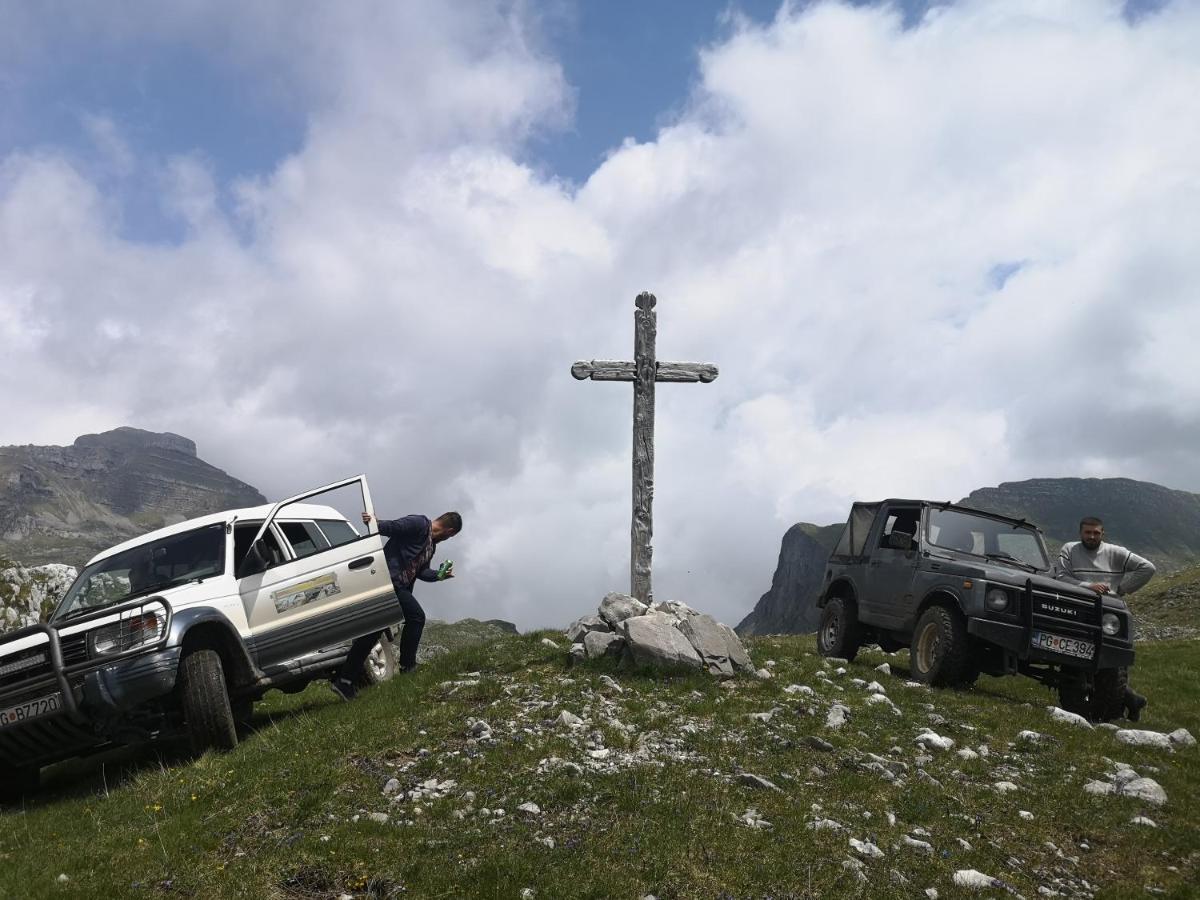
(96, 696)
(1112, 653)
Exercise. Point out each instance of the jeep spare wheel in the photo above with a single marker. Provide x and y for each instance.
(205, 701)
(939, 654)
(838, 634)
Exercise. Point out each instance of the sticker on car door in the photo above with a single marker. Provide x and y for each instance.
(304, 592)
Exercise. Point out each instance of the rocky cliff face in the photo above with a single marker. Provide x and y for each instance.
(789, 607)
(1156, 522)
(29, 594)
(65, 504)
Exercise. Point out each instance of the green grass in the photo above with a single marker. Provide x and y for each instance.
(1168, 606)
(274, 818)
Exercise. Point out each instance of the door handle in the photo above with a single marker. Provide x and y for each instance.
(362, 562)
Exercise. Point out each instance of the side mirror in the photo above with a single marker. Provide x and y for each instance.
(255, 560)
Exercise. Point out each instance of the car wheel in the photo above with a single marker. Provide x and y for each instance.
(19, 782)
(839, 634)
(1098, 700)
(381, 664)
(939, 654)
(207, 714)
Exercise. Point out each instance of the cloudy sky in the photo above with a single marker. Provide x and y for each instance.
(931, 246)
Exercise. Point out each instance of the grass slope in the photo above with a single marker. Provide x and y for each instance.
(659, 813)
(1169, 606)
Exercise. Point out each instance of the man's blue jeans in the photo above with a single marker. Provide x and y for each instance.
(410, 639)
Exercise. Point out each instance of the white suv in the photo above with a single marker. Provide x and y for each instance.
(182, 629)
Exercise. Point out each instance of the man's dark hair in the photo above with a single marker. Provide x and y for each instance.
(451, 520)
(1090, 520)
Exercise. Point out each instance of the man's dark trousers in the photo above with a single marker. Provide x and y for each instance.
(410, 638)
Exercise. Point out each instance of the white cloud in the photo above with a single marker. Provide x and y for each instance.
(403, 296)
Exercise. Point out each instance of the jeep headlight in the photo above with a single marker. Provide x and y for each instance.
(1110, 624)
(135, 631)
(996, 600)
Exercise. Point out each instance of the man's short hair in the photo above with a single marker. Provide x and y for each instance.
(1090, 520)
(451, 520)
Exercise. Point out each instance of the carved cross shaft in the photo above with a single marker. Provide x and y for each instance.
(643, 371)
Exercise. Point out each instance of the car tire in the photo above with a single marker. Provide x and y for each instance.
(1100, 700)
(382, 663)
(207, 714)
(18, 783)
(839, 634)
(940, 654)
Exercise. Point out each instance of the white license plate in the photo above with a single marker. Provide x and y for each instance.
(34, 709)
(1068, 646)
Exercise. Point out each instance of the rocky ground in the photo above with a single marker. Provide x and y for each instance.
(502, 770)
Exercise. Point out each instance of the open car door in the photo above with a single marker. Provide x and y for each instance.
(296, 605)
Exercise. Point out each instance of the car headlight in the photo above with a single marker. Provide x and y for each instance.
(1110, 623)
(117, 637)
(996, 600)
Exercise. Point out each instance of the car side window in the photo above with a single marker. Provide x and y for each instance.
(338, 532)
(900, 529)
(244, 533)
(305, 538)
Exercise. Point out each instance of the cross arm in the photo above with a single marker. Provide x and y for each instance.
(624, 370)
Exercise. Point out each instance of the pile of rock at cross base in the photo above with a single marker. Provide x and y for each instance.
(668, 634)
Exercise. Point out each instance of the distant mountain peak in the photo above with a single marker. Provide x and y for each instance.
(126, 438)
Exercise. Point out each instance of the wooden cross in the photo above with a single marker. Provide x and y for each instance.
(644, 371)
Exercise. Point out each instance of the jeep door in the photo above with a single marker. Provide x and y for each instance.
(893, 565)
(322, 593)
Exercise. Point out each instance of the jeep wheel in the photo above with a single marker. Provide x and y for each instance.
(381, 664)
(1098, 700)
(940, 653)
(839, 634)
(17, 783)
(205, 699)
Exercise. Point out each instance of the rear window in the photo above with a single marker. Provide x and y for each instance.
(853, 541)
(337, 531)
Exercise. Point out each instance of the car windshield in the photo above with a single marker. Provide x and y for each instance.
(954, 529)
(152, 566)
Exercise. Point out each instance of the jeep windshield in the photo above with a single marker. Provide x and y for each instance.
(995, 539)
(153, 566)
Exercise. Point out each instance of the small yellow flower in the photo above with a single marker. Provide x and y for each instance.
(194, 797)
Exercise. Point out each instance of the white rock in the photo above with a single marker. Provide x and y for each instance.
(866, 848)
(840, 670)
(654, 640)
(967, 753)
(63, 878)
(1025, 814)
(1144, 789)
(757, 781)
(379, 817)
(617, 607)
(578, 629)
(1005, 787)
(876, 688)
(609, 682)
(802, 689)
(1069, 718)
(578, 652)
(973, 879)
(528, 893)
(1099, 788)
(837, 716)
(1142, 820)
(883, 669)
(712, 642)
(825, 825)
(1181, 737)
(931, 893)
(392, 786)
(569, 719)
(532, 808)
(546, 642)
(1137, 738)
(931, 739)
(1030, 737)
(920, 846)
(602, 753)
(600, 644)
(883, 700)
(764, 674)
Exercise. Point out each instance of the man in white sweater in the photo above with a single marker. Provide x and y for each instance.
(1106, 569)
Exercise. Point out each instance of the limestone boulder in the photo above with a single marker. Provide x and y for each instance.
(737, 653)
(654, 640)
(578, 629)
(710, 641)
(616, 608)
(603, 643)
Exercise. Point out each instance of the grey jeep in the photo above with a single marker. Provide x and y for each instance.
(969, 592)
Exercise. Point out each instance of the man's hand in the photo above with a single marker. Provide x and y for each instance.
(1100, 588)
(367, 518)
(446, 570)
